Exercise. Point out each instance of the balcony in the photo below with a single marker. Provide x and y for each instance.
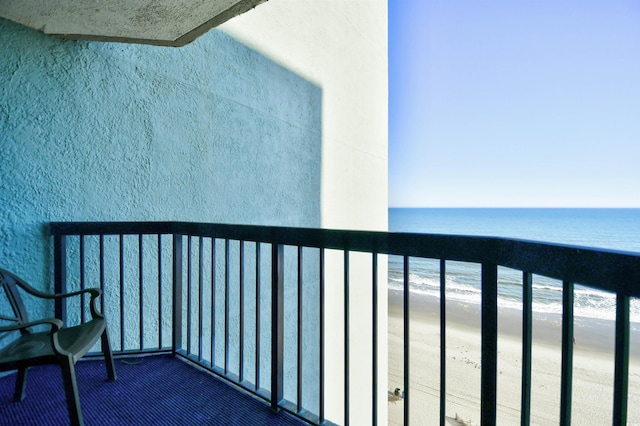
(248, 305)
(152, 390)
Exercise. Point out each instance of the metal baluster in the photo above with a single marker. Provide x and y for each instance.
(60, 274)
(257, 306)
(241, 314)
(213, 302)
(374, 339)
(489, 338)
(177, 293)
(189, 319)
(159, 254)
(82, 279)
(443, 342)
(200, 294)
(346, 338)
(321, 335)
(122, 324)
(140, 293)
(406, 337)
(527, 337)
(567, 353)
(101, 267)
(277, 324)
(621, 373)
(226, 306)
(299, 359)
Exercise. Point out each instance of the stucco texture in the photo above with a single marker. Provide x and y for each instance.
(90, 131)
(341, 46)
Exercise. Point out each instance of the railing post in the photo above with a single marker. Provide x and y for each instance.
(621, 372)
(489, 358)
(567, 353)
(60, 274)
(277, 324)
(177, 293)
(406, 338)
(527, 337)
(443, 341)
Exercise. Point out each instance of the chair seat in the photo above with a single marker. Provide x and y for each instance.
(33, 348)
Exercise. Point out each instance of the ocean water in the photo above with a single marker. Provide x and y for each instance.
(616, 229)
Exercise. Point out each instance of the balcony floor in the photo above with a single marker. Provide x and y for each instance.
(155, 390)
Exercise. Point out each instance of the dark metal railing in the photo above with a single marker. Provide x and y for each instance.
(194, 306)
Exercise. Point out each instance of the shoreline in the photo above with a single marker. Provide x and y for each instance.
(592, 365)
(591, 334)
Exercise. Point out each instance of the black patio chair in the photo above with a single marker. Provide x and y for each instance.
(58, 345)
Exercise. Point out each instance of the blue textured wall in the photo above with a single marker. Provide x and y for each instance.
(91, 131)
(210, 132)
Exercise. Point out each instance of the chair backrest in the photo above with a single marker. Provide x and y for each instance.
(10, 295)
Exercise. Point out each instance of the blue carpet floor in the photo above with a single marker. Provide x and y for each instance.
(157, 390)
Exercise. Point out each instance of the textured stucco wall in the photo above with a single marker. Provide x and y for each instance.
(211, 132)
(341, 46)
(288, 126)
(91, 131)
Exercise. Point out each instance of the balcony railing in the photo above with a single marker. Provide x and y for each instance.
(248, 302)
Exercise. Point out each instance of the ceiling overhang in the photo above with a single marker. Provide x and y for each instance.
(157, 22)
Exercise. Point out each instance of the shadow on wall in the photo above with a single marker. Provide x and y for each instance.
(89, 131)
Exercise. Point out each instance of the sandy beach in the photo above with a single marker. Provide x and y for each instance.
(592, 366)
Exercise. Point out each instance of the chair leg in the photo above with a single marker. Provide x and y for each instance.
(71, 391)
(21, 384)
(108, 356)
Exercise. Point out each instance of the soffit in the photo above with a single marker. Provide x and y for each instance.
(157, 22)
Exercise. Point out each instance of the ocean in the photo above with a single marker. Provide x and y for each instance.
(616, 229)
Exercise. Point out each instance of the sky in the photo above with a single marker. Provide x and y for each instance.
(503, 103)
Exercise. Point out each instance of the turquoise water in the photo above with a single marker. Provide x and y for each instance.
(616, 229)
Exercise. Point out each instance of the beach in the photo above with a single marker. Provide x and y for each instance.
(593, 366)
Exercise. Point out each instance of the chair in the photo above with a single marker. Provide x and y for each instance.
(58, 345)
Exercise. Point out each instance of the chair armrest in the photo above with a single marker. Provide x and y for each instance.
(93, 292)
(55, 324)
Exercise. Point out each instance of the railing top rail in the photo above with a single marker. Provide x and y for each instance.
(608, 270)
(110, 228)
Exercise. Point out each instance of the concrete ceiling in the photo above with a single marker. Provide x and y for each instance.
(158, 22)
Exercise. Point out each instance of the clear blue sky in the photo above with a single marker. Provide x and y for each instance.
(514, 103)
